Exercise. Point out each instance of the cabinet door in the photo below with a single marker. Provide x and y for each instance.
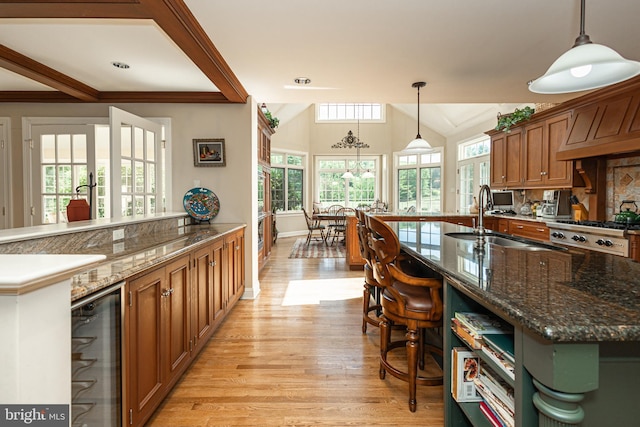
(219, 280)
(235, 268)
(558, 173)
(513, 159)
(498, 156)
(202, 295)
(534, 154)
(176, 298)
(145, 375)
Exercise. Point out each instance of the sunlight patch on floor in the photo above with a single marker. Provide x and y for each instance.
(306, 292)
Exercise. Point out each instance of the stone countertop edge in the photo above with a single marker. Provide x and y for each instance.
(598, 302)
(23, 273)
(121, 268)
(418, 215)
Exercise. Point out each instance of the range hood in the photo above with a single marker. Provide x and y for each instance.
(604, 122)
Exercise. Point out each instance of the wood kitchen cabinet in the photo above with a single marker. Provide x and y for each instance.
(506, 159)
(171, 312)
(541, 142)
(529, 229)
(157, 321)
(265, 214)
(234, 248)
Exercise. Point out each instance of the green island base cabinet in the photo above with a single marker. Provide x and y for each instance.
(575, 316)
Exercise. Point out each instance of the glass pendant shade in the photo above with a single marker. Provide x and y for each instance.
(368, 174)
(585, 67)
(347, 175)
(418, 145)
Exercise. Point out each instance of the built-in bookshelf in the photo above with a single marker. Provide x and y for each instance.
(501, 381)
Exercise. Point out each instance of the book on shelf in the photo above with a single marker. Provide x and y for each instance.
(464, 370)
(491, 415)
(504, 414)
(474, 342)
(501, 361)
(501, 343)
(480, 324)
(497, 385)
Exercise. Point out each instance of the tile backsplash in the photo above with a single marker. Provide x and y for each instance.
(623, 183)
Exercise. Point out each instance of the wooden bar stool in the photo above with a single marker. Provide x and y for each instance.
(407, 300)
(371, 286)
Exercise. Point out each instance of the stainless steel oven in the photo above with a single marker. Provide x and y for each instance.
(96, 358)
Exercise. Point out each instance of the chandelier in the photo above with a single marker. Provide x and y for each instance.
(353, 141)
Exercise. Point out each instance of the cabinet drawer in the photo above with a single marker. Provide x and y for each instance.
(530, 230)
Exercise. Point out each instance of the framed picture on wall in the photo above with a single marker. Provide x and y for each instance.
(209, 152)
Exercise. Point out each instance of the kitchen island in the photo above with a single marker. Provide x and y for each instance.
(575, 315)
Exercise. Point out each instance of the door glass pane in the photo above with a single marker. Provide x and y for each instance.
(139, 177)
(139, 143)
(466, 187)
(126, 176)
(125, 142)
(151, 178)
(48, 179)
(79, 148)
(49, 209)
(151, 204)
(430, 182)
(64, 179)
(127, 205)
(64, 148)
(48, 149)
(151, 146)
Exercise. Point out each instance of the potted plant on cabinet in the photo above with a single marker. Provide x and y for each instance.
(505, 121)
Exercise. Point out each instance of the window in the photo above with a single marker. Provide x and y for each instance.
(349, 112)
(473, 170)
(333, 189)
(419, 181)
(287, 181)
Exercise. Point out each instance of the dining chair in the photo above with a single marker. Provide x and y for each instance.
(313, 226)
(406, 300)
(332, 211)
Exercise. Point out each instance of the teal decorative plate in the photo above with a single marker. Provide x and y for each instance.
(201, 204)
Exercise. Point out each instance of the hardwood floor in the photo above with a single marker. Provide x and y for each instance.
(296, 356)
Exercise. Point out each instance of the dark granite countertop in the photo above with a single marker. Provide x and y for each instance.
(571, 295)
(134, 255)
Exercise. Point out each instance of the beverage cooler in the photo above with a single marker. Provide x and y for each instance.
(96, 359)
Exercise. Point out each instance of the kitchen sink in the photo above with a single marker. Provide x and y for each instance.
(507, 241)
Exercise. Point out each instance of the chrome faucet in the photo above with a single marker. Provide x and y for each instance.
(484, 189)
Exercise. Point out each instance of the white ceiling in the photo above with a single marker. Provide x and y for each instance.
(468, 51)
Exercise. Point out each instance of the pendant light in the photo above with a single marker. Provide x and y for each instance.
(585, 66)
(418, 145)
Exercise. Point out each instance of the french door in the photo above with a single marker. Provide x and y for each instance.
(124, 154)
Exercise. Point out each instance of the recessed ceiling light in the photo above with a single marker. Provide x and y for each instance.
(121, 65)
(302, 80)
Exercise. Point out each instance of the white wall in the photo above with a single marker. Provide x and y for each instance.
(235, 185)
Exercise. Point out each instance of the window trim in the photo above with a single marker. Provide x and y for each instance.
(382, 119)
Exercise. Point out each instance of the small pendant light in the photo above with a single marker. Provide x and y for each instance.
(585, 66)
(418, 145)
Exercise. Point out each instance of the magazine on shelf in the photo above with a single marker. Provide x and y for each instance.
(464, 370)
(501, 343)
(497, 385)
(493, 418)
(465, 335)
(480, 324)
(500, 409)
(503, 363)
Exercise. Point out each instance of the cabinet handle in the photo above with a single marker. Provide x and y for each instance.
(213, 263)
(542, 230)
(167, 293)
(520, 226)
(503, 177)
(238, 248)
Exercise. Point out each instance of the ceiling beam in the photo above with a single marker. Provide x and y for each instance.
(113, 97)
(175, 19)
(172, 16)
(27, 67)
